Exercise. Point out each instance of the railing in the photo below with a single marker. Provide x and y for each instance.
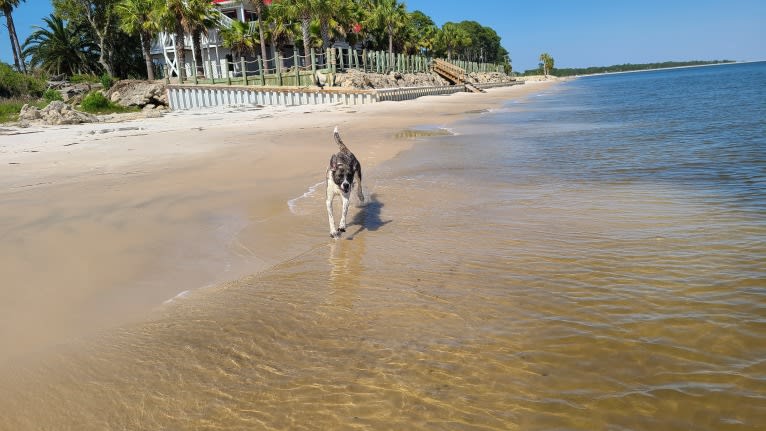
(300, 70)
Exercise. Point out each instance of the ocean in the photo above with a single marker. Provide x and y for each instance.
(591, 257)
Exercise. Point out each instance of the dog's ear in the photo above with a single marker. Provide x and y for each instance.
(333, 163)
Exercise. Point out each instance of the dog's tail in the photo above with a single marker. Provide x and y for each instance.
(338, 140)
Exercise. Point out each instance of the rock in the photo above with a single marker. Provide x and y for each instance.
(131, 92)
(360, 80)
(70, 92)
(57, 112)
(29, 113)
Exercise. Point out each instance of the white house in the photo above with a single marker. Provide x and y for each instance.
(213, 53)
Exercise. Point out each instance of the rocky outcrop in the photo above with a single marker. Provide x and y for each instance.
(488, 78)
(131, 92)
(364, 81)
(57, 112)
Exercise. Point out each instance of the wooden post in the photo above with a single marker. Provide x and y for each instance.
(340, 54)
(167, 74)
(333, 60)
(228, 75)
(364, 60)
(296, 64)
(278, 61)
(261, 70)
(377, 62)
(210, 66)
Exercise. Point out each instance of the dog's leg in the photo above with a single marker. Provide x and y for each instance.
(359, 192)
(345, 198)
(330, 197)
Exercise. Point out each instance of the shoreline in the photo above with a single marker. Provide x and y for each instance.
(105, 225)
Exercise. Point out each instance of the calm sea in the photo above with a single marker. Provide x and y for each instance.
(590, 258)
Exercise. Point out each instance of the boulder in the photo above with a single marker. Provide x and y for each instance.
(131, 92)
(57, 112)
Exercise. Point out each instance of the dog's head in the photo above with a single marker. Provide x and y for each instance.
(343, 170)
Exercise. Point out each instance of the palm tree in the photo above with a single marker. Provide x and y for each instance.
(201, 15)
(172, 18)
(546, 61)
(334, 16)
(302, 10)
(61, 48)
(388, 15)
(283, 30)
(260, 8)
(238, 38)
(7, 7)
(136, 16)
(452, 38)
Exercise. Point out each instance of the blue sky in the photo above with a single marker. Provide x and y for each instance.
(576, 33)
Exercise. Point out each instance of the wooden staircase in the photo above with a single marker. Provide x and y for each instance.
(453, 74)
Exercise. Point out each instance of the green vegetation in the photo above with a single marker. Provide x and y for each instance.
(10, 108)
(623, 67)
(50, 95)
(546, 61)
(96, 103)
(113, 37)
(15, 84)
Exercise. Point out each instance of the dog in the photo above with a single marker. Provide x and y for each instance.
(343, 174)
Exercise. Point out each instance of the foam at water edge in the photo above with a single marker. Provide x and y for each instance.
(179, 296)
(293, 202)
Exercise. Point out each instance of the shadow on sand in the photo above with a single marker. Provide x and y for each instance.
(369, 217)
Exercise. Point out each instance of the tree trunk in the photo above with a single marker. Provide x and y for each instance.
(146, 47)
(259, 11)
(104, 55)
(180, 50)
(324, 29)
(17, 55)
(197, 47)
(305, 23)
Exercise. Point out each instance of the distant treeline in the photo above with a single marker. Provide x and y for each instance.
(623, 67)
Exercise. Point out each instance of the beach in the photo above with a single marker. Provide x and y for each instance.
(584, 254)
(104, 224)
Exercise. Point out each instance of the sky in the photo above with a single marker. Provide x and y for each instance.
(575, 33)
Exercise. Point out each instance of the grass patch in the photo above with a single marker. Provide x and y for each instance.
(9, 108)
(97, 103)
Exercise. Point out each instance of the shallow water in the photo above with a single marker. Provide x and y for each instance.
(591, 258)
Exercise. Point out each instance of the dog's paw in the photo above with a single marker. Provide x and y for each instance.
(335, 235)
(341, 229)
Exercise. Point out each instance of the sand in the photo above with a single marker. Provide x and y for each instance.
(102, 224)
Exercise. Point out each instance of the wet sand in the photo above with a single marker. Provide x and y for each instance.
(102, 225)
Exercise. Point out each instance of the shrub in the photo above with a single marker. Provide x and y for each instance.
(80, 78)
(15, 84)
(50, 95)
(95, 102)
(107, 81)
